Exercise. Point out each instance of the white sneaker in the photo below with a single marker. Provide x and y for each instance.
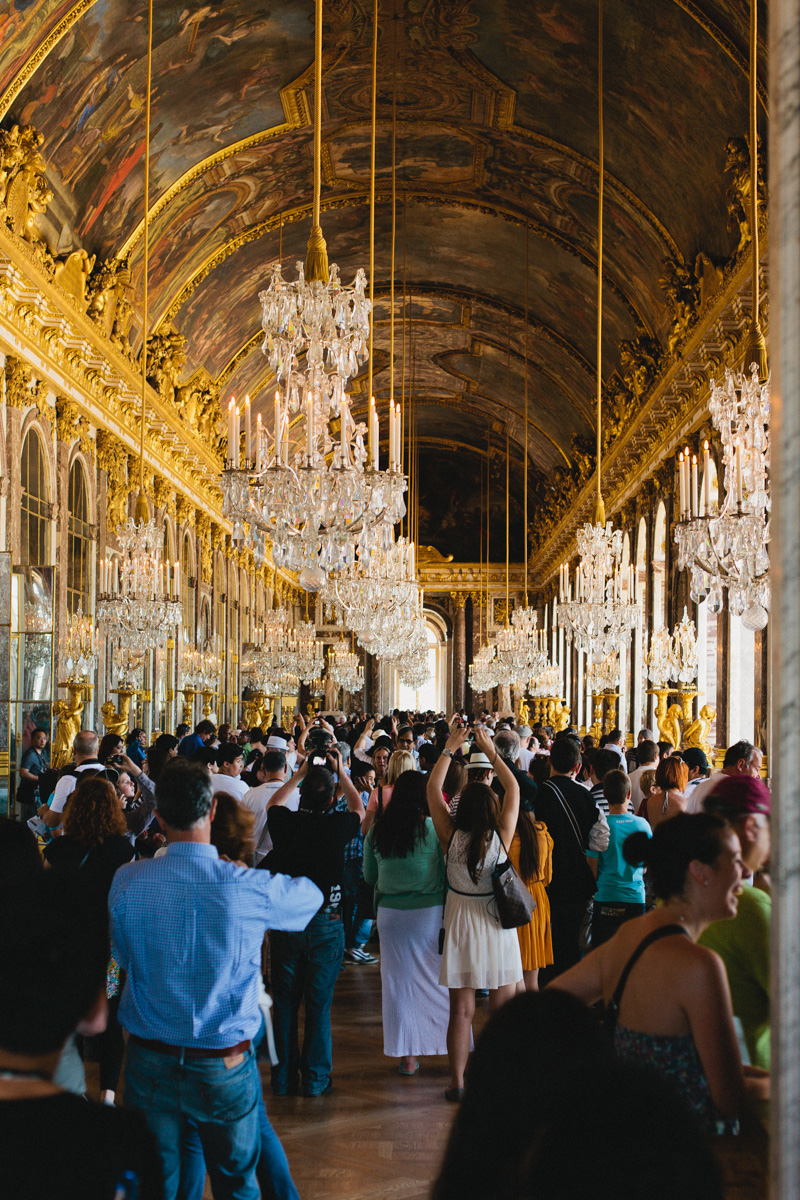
(357, 955)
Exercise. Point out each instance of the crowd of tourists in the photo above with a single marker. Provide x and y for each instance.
(171, 910)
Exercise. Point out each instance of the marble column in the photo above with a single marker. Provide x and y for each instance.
(784, 348)
(459, 650)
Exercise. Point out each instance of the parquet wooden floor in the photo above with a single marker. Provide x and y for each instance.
(379, 1136)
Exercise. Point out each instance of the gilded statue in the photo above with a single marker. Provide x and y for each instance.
(68, 715)
(113, 459)
(117, 721)
(561, 719)
(739, 195)
(166, 359)
(681, 288)
(524, 712)
(72, 273)
(669, 726)
(639, 359)
(257, 711)
(107, 292)
(24, 191)
(698, 733)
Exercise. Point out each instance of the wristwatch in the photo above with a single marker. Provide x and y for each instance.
(449, 753)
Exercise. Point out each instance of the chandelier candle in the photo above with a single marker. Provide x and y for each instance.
(248, 449)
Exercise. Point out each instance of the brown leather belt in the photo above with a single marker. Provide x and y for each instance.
(189, 1051)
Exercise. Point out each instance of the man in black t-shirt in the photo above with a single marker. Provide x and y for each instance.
(54, 951)
(305, 966)
(576, 825)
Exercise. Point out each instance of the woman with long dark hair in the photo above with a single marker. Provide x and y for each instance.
(669, 799)
(403, 859)
(531, 852)
(478, 952)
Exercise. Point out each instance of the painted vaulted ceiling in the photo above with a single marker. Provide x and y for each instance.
(497, 161)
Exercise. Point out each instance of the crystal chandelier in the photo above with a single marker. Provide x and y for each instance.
(78, 654)
(344, 668)
(547, 682)
(483, 670)
(139, 590)
(266, 672)
(603, 676)
(659, 658)
(518, 653)
(333, 497)
(685, 650)
(725, 546)
(596, 614)
(304, 656)
(379, 596)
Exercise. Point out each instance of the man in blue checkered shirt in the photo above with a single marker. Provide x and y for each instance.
(188, 928)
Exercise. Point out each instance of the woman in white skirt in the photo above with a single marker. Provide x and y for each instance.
(402, 857)
(478, 952)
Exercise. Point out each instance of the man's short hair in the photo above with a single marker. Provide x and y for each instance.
(86, 742)
(205, 726)
(428, 754)
(646, 752)
(506, 743)
(734, 754)
(615, 736)
(316, 790)
(181, 730)
(228, 752)
(205, 755)
(565, 754)
(272, 760)
(183, 794)
(645, 735)
(54, 947)
(256, 735)
(604, 761)
(616, 786)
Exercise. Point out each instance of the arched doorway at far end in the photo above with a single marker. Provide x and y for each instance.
(432, 694)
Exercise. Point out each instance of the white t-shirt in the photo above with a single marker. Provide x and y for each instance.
(525, 757)
(697, 794)
(235, 787)
(637, 795)
(257, 799)
(67, 784)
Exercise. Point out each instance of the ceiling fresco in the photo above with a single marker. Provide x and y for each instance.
(496, 132)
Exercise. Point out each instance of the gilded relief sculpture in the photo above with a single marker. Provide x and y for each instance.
(698, 733)
(67, 714)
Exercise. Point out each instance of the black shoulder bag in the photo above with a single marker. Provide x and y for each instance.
(515, 904)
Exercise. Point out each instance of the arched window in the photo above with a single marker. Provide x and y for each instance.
(187, 573)
(431, 694)
(35, 524)
(660, 568)
(639, 709)
(79, 543)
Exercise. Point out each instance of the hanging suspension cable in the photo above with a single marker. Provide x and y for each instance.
(142, 511)
(756, 350)
(317, 251)
(525, 471)
(600, 512)
(372, 191)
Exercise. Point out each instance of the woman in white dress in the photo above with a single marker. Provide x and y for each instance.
(478, 952)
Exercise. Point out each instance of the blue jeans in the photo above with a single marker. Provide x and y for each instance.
(274, 1176)
(357, 927)
(304, 968)
(222, 1103)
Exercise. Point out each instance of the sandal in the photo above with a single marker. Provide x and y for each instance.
(454, 1094)
(401, 1071)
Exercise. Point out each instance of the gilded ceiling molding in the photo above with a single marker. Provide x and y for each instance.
(468, 299)
(32, 64)
(38, 320)
(383, 195)
(297, 114)
(673, 408)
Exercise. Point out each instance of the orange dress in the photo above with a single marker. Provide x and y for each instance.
(535, 939)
